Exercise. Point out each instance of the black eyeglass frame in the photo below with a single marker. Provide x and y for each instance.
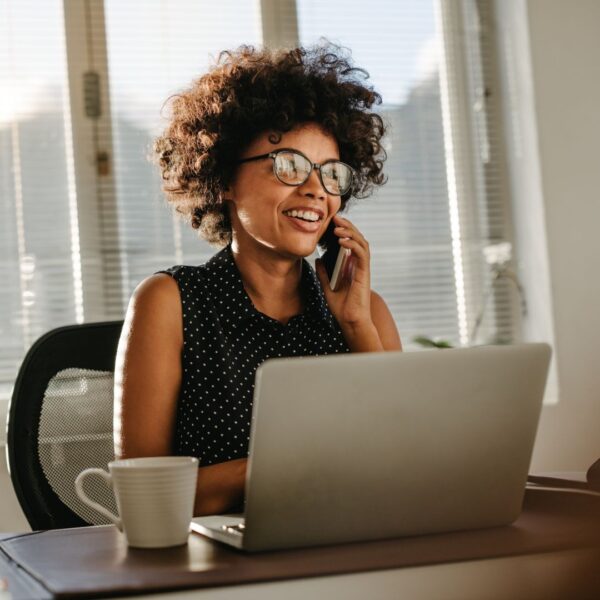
(313, 165)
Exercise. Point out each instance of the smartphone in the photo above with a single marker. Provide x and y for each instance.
(336, 259)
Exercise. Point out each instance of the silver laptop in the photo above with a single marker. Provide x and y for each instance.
(355, 447)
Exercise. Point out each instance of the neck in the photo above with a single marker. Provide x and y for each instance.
(272, 280)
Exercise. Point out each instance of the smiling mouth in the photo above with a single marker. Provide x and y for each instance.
(308, 216)
(303, 224)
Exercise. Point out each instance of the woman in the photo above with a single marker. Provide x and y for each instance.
(260, 155)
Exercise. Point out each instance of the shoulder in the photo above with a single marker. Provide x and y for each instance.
(172, 284)
(384, 323)
(158, 290)
(155, 308)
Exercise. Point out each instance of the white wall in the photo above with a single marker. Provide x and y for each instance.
(553, 83)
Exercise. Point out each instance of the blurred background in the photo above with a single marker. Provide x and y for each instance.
(486, 232)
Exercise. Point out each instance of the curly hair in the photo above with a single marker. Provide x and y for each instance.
(250, 91)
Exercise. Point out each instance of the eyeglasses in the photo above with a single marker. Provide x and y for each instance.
(293, 168)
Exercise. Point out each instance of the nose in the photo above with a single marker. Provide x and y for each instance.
(312, 187)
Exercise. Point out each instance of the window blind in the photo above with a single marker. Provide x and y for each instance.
(82, 227)
(170, 46)
(428, 258)
(39, 259)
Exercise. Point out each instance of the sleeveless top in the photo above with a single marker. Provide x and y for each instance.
(225, 339)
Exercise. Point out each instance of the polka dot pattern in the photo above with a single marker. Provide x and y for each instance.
(225, 340)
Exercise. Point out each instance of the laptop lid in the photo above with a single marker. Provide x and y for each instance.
(352, 447)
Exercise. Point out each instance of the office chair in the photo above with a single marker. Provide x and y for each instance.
(61, 421)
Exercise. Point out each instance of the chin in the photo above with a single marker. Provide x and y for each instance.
(300, 250)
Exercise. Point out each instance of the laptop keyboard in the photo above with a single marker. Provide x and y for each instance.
(239, 529)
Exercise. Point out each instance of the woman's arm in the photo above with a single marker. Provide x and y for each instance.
(362, 314)
(147, 381)
(379, 334)
(148, 370)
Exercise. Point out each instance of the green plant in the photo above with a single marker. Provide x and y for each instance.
(431, 343)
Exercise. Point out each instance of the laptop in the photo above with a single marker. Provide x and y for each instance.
(367, 446)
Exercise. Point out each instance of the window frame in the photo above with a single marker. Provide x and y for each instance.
(92, 151)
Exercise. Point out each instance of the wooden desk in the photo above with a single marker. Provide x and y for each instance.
(551, 551)
(554, 576)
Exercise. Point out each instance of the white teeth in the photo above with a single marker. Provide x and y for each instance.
(307, 215)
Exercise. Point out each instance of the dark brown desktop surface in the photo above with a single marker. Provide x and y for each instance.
(96, 562)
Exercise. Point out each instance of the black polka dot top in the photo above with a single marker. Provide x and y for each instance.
(225, 340)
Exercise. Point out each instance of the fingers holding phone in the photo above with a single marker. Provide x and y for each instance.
(344, 271)
(336, 259)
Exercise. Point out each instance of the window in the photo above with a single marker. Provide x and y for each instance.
(445, 199)
(167, 49)
(39, 254)
(83, 217)
(407, 221)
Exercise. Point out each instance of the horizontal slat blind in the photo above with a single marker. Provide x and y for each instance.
(408, 221)
(37, 256)
(428, 249)
(169, 46)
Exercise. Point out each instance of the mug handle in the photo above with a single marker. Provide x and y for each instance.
(103, 511)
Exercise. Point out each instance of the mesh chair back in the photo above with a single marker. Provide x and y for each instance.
(61, 422)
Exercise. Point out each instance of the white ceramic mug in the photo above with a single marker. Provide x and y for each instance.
(155, 498)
